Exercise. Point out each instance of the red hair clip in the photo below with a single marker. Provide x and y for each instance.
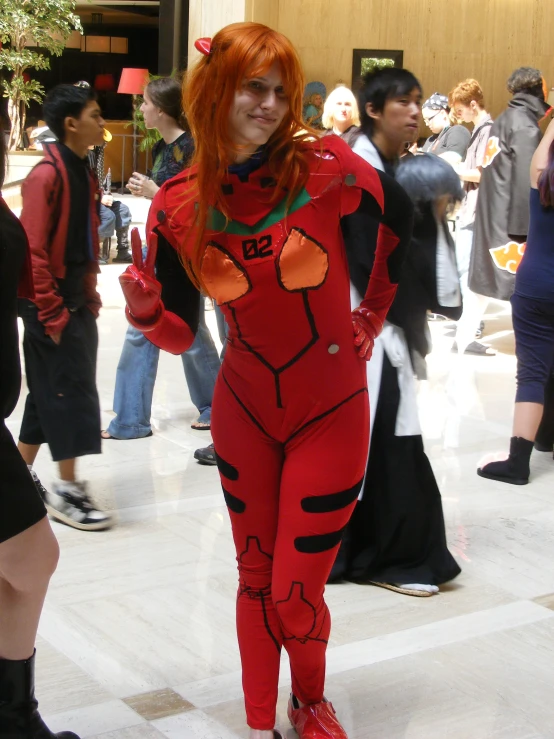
(203, 45)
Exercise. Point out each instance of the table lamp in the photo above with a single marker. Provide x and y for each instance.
(132, 82)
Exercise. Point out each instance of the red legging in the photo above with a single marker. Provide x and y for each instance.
(288, 500)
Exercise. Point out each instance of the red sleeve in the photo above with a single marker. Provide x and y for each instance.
(168, 224)
(40, 193)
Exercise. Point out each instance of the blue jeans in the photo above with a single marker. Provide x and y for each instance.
(136, 375)
(106, 229)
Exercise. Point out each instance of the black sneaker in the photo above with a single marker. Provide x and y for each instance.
(42, 491)
(206, 455)
(70, 504)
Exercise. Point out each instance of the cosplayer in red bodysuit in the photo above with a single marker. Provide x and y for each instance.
(258, 222)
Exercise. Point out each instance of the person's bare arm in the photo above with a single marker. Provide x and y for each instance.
(452, 157)
(468, 175)
(539, 162)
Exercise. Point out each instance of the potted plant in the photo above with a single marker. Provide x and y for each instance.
(45, 24)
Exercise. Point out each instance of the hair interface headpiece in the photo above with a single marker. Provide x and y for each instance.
(203, 45)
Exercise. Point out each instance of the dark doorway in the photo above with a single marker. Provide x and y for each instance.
(364, 60)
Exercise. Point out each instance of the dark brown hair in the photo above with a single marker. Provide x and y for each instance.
(166, 95)
(526, 79)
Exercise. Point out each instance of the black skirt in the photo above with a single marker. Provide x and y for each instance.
(396, 533)
(20, 504)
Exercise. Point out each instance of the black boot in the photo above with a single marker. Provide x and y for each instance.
(19, 716)
(105, 251)
(515, 469)
(123, 252)
(544, 440)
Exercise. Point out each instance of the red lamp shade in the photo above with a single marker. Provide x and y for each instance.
(133, 81)
(104, 82)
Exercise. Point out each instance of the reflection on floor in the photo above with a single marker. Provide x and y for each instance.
(137, 637)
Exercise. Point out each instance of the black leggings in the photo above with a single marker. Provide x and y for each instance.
(534, 332)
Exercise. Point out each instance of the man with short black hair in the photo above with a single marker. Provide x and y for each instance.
(60, 216)
(390, 109)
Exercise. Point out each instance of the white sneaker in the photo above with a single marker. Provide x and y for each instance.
(70, 504)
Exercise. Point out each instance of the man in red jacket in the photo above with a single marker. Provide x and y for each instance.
(60, 215)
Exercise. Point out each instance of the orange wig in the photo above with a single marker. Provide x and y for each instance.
(240, 52)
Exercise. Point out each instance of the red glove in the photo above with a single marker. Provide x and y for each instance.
(367, 328)
(140, 287)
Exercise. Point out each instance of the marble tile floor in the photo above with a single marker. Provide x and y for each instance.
(137, 637)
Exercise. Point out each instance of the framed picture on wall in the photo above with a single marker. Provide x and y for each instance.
(364, 60)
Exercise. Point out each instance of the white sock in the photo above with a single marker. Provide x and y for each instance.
(419, 586)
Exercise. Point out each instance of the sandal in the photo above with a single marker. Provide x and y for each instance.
(106, 435)
(201, 426)
(476, 348)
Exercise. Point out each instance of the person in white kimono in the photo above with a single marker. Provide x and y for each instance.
(396, 538)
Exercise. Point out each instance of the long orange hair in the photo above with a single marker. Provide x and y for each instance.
(239, 51)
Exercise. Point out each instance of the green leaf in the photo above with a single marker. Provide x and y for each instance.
(44, 23)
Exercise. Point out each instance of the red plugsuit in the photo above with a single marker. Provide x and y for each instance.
(290, 411)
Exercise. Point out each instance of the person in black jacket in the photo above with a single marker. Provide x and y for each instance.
(28, 549)
(502, 216)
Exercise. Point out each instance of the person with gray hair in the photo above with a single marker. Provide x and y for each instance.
(502, 215)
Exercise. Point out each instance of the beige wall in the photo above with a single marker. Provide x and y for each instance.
(206, 17)
(263, 11)
(444, 41)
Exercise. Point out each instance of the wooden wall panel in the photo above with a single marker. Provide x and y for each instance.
(206, 17)
(443, 42)
(263, 11)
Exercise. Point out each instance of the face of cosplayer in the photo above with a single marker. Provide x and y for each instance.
(150, 112)
(398, 122)
(257, 111)
(467, 113)
(317, 100)
(435, 120)
(342, 112)
(85, 131)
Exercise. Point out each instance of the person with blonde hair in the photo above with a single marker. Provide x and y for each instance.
(341, 115)
(262, 222)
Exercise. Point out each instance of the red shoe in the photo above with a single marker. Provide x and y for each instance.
(317, 721)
